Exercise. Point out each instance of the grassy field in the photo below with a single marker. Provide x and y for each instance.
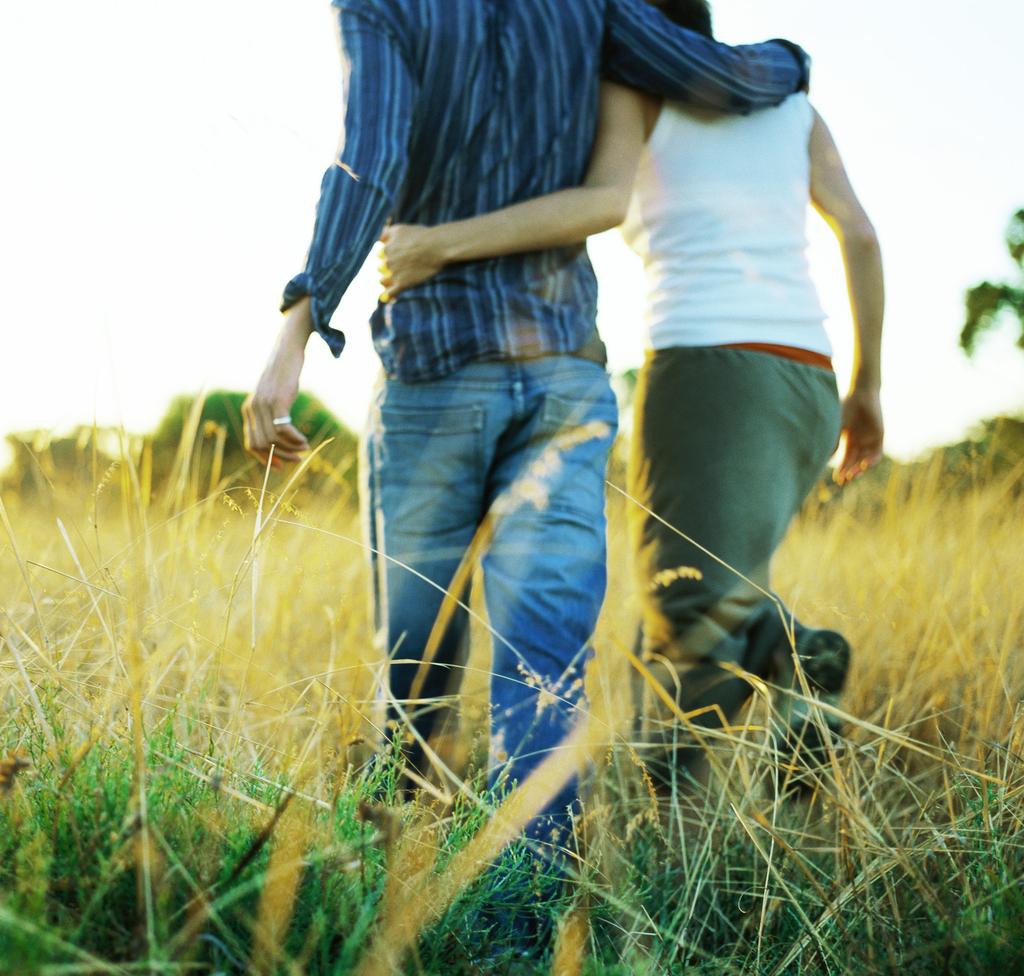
(187, 691)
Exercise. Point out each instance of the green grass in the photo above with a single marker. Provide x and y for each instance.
(950, 901)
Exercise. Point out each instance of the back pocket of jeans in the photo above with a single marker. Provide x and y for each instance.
(429, 467)
(431, 420)
(569, 454)
(562, 417)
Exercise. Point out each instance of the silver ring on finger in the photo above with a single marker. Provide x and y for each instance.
(282, 421)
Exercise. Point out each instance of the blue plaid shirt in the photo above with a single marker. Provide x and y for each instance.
(455, 108)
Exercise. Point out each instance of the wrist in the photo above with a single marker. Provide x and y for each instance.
(445, 244)
(866, 383)
(298, 324)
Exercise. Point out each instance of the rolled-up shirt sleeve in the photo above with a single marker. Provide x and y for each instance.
(643, 49)
(359, 190)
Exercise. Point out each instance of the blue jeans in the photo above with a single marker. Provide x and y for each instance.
(520, 448)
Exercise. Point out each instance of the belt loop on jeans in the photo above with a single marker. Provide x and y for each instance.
(518, 389)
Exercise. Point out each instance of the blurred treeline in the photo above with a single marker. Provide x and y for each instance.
(195, 451)
(992, 454)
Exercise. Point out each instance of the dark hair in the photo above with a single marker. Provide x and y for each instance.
(694, 15)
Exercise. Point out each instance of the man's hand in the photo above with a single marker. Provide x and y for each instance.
(863, 434)
(265, 413)
(802, 58)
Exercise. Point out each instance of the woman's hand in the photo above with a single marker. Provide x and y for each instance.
(863, 434)
(412, 254)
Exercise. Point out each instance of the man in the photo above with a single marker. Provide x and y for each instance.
(491, 431)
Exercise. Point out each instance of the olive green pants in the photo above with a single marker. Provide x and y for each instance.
(727, 444)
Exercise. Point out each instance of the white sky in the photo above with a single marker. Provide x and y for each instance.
(162, 162)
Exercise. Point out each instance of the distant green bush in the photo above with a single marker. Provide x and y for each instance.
(195, 450)
(200, 442)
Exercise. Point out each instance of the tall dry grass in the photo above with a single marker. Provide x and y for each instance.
(205, 666)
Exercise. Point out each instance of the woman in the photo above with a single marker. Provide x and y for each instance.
(737, 411)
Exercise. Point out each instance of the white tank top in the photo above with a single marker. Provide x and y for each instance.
(719, 217)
